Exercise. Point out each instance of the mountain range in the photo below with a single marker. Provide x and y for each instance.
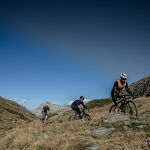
(53, 109)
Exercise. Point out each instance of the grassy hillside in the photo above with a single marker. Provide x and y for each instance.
(98, 103)
(61, 134)
(12, 114)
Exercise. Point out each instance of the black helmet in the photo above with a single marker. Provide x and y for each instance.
(81, 97)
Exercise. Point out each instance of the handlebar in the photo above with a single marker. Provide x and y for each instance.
(85, 109)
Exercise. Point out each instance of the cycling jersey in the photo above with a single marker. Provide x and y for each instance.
(75, 107)
(118, 86)
(77, 103)
(45, 109)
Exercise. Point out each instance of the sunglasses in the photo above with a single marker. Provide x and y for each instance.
(124, 79)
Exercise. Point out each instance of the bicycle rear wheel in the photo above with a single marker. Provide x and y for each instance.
(112, 108)
(131, 109)
(87, 117)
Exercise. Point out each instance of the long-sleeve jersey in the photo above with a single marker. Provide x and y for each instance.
(77, 103)
(45, 109)
(117, 89)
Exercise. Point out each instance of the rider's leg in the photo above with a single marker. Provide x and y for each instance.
(114, 98)
(74, 108)
(45, 118)
(79, 112)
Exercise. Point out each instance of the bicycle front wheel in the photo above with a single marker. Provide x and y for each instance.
(87, 117)
(119, 107)
(112, 109)
(131, 109)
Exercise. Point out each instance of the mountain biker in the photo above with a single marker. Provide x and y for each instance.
(44, 112)
(118, 86)
(75, 106)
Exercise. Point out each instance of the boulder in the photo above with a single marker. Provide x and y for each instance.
(100, 131)
(114, 118)
(94, 148)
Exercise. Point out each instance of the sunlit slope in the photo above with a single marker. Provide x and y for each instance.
(65, 135)
(12, 114)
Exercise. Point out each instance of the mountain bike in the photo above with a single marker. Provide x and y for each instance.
(125, 105)
(84, 116)
(44, 119)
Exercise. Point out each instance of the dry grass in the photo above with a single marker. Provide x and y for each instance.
(61, 134)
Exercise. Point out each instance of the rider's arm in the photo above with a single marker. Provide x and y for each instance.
(43, 112)
(48, 109)
(115, 87)
(127, 89)
(84, 105)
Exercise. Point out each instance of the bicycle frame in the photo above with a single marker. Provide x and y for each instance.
(124, 98)
(126, 105)
(45, 119)
(82, 113)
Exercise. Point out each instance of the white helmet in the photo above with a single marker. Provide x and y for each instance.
(123, 76)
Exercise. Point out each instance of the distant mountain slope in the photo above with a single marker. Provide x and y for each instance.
(142, 87)
(12, 113)
(98, 102)
(53, 109)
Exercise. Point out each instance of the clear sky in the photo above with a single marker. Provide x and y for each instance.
(58, 50)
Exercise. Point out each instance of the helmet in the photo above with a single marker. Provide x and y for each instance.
(81, 97)
(123, 76)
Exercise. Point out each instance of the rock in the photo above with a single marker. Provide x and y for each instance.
(127, 123)
(94, 148)
(82, 142)
(87, 143)
(100, 131)
(45, 136)
(14, 121)
(115, 117)
(142, 122)
(141, 87)
(141, 126)
(81, 137)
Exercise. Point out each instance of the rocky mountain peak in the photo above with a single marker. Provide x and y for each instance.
(53, 108)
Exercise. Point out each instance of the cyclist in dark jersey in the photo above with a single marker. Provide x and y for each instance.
(118, 86)
(44, 112)
(75, 105)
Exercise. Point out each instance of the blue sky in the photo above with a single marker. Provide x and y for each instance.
(56, 51)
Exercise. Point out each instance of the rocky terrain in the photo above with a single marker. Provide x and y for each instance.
(141, 87)
(12, 113)
(53, 109)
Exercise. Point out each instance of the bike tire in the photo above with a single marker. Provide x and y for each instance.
(112, 109)
(87, 117)
(131, 108)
